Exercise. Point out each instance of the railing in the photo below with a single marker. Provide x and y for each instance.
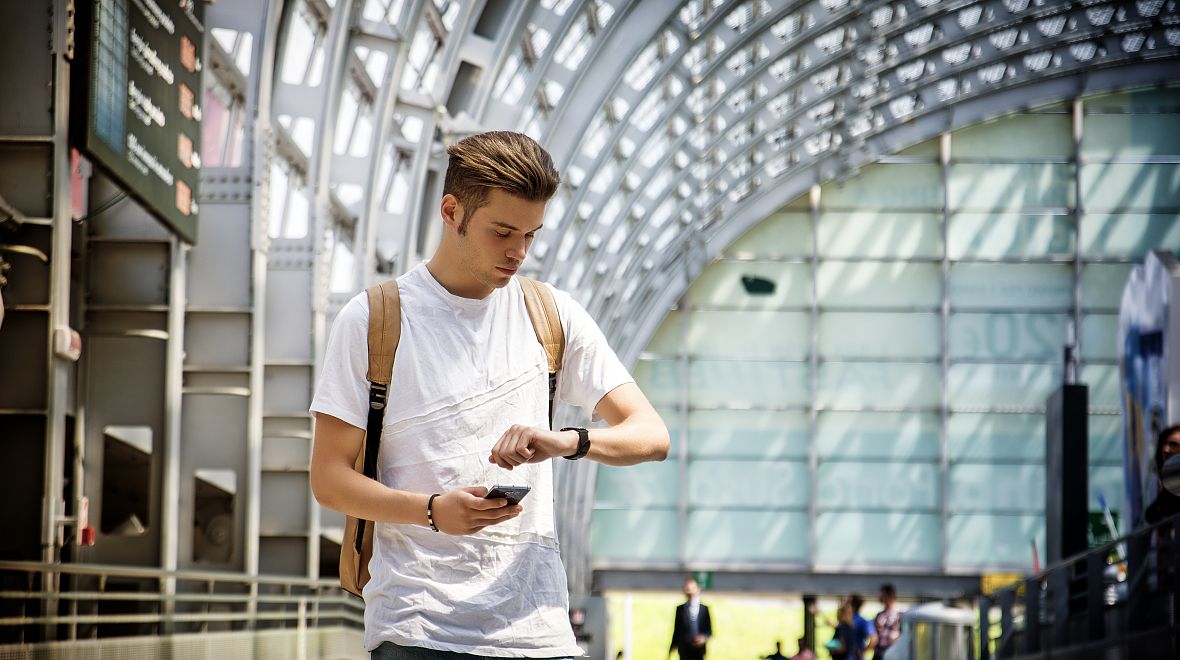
(1118, 601)
(54, 604)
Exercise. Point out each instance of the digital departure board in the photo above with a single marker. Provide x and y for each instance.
(143, 61)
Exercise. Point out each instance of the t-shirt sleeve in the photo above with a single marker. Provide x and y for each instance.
(589, 366)
(343, 390)
(865, 629)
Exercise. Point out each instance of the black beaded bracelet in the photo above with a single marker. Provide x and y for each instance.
(430, 512)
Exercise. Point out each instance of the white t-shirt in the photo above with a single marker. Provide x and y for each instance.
(464, 372)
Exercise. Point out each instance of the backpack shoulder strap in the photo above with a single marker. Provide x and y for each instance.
(385, 330)
(546, 323)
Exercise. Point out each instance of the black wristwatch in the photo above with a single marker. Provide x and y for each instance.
(583, 443)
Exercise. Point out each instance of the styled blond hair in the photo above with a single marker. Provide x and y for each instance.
(512, 162)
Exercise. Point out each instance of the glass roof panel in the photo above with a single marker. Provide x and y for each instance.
(574, 45)
(300, 48)
(558, 7)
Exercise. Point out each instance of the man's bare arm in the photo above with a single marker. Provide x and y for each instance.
(636, 434)
(336, 485)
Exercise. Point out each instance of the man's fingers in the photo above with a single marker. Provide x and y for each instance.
(501, 515)
(483, 504)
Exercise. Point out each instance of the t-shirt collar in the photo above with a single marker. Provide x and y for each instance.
(459, 302)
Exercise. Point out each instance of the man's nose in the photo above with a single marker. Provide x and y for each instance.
(518, 250)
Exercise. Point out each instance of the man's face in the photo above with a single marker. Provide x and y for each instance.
(497, 237)
(1171, 445)
(691, 588)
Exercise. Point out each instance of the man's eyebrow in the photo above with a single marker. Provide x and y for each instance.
(504, 225)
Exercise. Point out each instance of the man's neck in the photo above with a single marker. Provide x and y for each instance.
(447, 271)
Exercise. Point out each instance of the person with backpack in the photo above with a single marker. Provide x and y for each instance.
(467, 404)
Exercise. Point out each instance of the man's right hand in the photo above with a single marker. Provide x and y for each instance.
(465, 511)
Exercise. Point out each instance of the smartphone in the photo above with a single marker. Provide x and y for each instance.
(514, 494)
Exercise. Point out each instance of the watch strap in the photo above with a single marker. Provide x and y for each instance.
(583, 443)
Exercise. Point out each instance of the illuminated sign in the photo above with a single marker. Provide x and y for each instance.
(142, 93)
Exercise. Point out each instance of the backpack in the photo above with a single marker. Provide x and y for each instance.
(384, 332)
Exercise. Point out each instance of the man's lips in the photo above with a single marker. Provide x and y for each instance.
(506, 269)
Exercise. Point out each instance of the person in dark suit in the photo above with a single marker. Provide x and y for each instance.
(693, 627)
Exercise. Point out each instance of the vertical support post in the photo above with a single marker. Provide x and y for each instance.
(57, 370)
(944, 316)
(809, 621)
(1006, 648)
(1095, 596)
(628, 627)
(1059, 588)
(814, 200)
(682, 428)
(985, 606)
(301, 630)
(173, 385)
(1032, 615)
(1171, 532)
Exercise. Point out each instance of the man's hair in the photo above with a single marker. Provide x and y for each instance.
(1160, 439)
(512, 162)
(855, 601)
(889, 590)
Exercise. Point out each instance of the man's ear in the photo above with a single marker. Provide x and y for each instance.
(452, 211)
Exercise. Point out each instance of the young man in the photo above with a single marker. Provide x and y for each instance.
(693, 626)
(887, 622)
(454, 574)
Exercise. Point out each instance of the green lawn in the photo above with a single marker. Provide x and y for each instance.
(745, 627)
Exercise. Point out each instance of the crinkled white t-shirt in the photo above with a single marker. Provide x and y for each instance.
(464, 372)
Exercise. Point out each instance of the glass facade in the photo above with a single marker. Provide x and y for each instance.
(858, 383)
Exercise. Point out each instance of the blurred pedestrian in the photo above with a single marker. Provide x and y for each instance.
(693, 627)
(843, 642)
(887, 622)
(863, 635)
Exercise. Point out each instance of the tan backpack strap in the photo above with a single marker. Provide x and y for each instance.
(385, 329)
(546, 323)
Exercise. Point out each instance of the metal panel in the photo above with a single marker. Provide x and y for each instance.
(25, 179)
(219, 265)
(284, 504)
(23, 443)
(214, 429)
(24, 344)
(282, 555)
(287, 390)
(289, 314)
(216, 340)
(129, 274)
(34, 76)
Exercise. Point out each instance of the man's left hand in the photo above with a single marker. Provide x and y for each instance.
(524, 444)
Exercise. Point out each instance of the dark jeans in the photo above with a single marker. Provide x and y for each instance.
(390, 651)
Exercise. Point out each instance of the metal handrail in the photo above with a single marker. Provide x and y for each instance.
(1054, 596)
(269, 600)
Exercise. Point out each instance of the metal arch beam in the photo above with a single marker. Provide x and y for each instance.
(635, 329)
(841, 156)
(601, 73)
